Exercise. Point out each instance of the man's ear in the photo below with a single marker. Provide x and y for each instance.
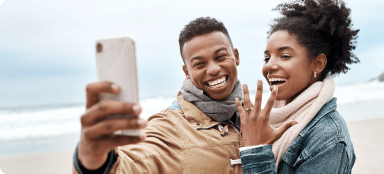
(319, 63)
(185, 69)
(237, 58)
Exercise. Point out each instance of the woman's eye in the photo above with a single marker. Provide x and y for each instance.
(285, 56)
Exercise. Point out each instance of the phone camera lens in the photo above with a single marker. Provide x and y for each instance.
(99, 47)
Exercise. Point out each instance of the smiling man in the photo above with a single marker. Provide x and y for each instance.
(199, 133)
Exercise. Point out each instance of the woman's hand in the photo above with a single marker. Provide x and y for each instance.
(96, 139)
(255, 124)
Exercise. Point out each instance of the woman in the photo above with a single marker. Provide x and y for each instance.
(312, 41)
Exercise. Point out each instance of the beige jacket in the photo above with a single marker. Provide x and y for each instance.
(182, 141)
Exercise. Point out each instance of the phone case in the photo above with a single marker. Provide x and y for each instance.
(116, 62)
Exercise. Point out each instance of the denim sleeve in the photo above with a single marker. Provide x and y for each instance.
(332, 159)
(258, 160)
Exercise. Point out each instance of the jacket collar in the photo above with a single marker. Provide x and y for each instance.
(327, 108)
(193, 114)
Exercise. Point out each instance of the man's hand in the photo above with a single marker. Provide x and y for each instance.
(96, 139)
(255, 121)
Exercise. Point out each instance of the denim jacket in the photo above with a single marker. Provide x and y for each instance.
(323, 146)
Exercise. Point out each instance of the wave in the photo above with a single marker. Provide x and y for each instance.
(40, 122)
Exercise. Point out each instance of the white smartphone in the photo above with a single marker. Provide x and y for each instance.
(116, 62)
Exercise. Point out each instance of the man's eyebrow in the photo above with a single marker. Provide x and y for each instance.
(195, 58)
(222, 48)
(198, 57)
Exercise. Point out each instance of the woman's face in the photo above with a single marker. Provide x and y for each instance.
(287, 65)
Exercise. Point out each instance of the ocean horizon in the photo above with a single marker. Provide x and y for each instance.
(50, 128)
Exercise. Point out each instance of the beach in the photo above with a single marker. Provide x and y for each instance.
(366, 134)
(41, 139)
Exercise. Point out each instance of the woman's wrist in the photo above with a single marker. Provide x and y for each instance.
(251, 147)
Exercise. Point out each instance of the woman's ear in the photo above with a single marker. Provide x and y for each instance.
(319, 63)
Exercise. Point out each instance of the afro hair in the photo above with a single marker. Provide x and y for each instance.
(322, 26)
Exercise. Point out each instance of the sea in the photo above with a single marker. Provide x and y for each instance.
(50, 128)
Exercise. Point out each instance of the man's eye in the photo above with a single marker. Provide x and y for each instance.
(221, 56)
(266, 59)
(197, 64)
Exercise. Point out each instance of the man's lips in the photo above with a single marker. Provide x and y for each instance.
(217, 83)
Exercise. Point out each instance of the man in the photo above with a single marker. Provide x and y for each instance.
(197, 134)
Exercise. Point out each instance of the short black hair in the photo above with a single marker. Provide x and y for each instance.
(198, 27)
(322, 26)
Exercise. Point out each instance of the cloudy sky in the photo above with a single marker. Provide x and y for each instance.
(47, 47)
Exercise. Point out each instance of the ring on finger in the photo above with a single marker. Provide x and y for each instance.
(247, 109)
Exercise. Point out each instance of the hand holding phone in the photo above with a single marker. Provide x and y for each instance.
(116, 62)
(114, 96)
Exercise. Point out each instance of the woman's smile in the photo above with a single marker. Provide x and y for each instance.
(279, 82)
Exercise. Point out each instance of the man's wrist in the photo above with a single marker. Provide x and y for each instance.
(104, 168)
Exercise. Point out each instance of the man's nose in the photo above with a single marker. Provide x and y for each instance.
(213, 68)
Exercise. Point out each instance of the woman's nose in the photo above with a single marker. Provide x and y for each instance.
(271, 65)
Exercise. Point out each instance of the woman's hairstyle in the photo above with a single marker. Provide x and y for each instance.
(198, 27)
(322, 26)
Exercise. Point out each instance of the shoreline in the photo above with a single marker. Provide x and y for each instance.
(366, 135)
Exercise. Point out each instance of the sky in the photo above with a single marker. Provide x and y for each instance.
(47, 48)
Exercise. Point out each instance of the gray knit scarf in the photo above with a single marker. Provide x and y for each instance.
(218, 110)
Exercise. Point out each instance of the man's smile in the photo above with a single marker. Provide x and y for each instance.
(217, 83)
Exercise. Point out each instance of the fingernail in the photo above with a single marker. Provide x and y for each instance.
(274, 88)
(258, 83)
(245, 87)
(141, 122)
(115, 87)
(143, 136)
(136, 109)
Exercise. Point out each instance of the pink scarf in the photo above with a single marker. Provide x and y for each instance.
(302, 109)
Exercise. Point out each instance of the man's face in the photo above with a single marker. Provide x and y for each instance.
(211, 64)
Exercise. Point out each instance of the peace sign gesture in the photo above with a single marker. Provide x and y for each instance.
(255, 124)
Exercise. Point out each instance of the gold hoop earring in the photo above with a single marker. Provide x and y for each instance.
(314, 74)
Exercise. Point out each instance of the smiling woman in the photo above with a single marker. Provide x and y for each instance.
(304, 133)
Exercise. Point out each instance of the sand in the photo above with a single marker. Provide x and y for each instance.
(44, 163)
(368, 140)
(367, 137)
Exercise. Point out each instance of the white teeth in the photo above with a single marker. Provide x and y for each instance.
(217, 83)
(277, 79)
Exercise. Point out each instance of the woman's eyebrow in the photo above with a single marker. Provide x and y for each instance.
(285, 48)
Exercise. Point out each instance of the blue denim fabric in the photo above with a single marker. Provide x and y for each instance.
(175, 105)
(324, 146)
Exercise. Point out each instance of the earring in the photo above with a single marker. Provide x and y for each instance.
(314, 74)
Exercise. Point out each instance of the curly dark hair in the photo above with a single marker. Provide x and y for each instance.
(322, 26)
(198, 27)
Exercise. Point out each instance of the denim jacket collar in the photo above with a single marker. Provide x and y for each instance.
(328, 107)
